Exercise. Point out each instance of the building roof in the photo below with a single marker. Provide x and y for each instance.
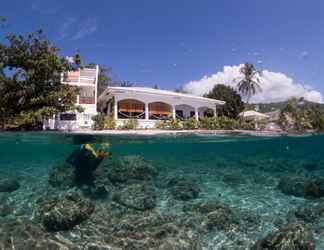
(253, 114)
(158, 93)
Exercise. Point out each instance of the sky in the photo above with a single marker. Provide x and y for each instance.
(190, 43)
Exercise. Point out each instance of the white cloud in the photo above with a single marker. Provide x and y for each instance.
(304, 55)
(71, 30)
(86, 28)
(66, 26)
(275, 86)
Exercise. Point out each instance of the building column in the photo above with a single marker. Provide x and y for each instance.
(174, 112)
(116, 109)
(196, 114)
(147, 111)
(215, 111)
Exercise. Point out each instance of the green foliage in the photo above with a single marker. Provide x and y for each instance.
(221, 122)
(226, 123)
(234, 104)
(129, 124)
(210, 123)
(172, 124)
(300, 116)
(30, 88)
(190, 123)
(102, 122)
(246, 125)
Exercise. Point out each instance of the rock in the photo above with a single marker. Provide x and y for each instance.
(205, 207)
(302, 187)
(63, 213)
(315, 188)
(149, 230)
(183, 188)
(23, 234)
(130, 169)
(5, 208)
(291, 237)
(233, 179)
(137, 196)
(223, 218)
(309, 213)
(62, 176)
(9, 185)
(312, 166)
(292, 185)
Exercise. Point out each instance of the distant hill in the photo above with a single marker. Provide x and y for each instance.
(268, 107)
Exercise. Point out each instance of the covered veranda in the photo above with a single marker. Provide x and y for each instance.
(151, 105)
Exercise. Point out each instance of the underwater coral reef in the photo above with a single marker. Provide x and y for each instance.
(185, 194)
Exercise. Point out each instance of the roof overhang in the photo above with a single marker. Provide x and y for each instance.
(148, 95)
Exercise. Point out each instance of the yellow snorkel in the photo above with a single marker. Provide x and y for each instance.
(101, 152)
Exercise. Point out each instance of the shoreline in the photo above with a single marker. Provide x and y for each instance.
(155, 132)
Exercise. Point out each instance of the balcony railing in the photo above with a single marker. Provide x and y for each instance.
(81, 76)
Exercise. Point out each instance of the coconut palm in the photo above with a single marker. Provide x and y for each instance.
(250, 84)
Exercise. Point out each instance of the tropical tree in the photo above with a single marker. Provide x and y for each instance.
(233, 101)
(250, 84)
(30, 81)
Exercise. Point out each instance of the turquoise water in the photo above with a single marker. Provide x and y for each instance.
(242, 172)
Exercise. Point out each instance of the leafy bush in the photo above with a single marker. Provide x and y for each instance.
(129, 124)
(173, 124)
(190, 123)
(222, 122)
(102, 122)
(246, 125)
(209, 123)
(225, 122)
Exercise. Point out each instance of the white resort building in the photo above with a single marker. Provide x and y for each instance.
(86, 80)
(148, 105)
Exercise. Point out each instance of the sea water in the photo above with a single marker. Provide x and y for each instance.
(242, 172)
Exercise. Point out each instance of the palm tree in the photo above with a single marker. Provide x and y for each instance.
(250, 84)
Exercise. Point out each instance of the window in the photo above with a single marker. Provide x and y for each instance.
(68, 117)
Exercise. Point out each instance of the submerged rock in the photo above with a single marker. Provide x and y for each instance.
(309, 213)
(5, 208)
(205, 207)
(184, 188)
(130, 169)
(221, 219)
(153, 230)
(137, 196)
(292, 237)
(9, 185)
(62, 176)
(63, 213)
(23, 234)
(292, 185)
(302, 187)
(233, 179)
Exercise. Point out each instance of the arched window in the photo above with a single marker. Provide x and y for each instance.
(184, 111)
(131, 109)
(205, 112)
(159, 111)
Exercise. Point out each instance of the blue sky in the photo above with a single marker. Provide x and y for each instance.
(173, 42)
